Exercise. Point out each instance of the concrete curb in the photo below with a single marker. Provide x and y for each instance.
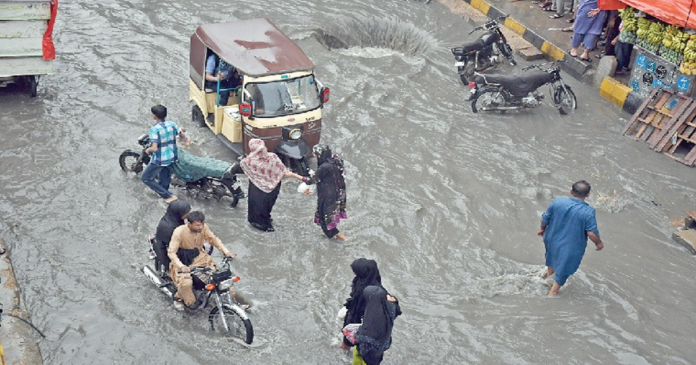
(573, 66)
(620, 95)
(17, 339)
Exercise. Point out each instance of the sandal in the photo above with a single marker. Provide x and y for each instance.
(2, 251)
(545, 4)
(570, 54)
(588, 59)
(571, 20)
(567, 29)
(556, 16)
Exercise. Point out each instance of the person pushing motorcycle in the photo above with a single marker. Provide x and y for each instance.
(186, 251)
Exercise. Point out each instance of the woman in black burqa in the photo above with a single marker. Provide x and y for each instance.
(374, 336)
(174, 217)
(366, 274)
(331, 190)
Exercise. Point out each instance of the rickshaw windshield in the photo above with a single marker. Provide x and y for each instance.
(284, 97)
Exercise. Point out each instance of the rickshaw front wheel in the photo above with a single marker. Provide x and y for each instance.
(197, 116)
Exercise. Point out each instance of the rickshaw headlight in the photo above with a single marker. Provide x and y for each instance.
(295, 134)
(226, 284)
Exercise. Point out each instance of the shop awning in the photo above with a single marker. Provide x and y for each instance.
(675, 12)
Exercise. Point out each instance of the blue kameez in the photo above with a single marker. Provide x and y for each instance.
(567, 221)
(587, 29)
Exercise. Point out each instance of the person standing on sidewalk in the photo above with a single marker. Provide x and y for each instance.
(163, 153)
(565, 225)
(589, 22)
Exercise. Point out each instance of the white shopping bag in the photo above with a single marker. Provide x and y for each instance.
(307, 189)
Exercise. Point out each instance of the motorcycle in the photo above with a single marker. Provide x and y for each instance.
(226, 315)
(503, 92)
(483, 53)
(200, 174)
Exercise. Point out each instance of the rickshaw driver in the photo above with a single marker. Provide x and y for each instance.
(215, 71)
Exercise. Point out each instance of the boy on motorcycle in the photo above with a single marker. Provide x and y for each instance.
(186, 251)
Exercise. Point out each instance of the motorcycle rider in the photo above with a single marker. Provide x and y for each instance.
(186, 251)
(176, 213)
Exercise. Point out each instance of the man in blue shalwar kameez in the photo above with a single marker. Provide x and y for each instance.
(565, 225)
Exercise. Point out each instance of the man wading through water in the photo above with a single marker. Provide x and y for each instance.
(163, 153)
(565, 226)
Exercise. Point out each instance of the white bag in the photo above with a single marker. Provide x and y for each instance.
(342, 313)
(307, 189)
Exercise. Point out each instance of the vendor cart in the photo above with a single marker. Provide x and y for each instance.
(26, 46)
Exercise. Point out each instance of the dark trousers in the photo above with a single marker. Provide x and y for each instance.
(164, 177)
(260, 205)
(612, 32)
(623, 55)
(162, 257)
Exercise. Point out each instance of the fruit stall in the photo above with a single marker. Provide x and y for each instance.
(665, 46)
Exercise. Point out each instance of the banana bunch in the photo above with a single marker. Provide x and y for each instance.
(674, 38)
(688, 68)
(630, 22)
(656, 33)
(690, 49)
(643, 28)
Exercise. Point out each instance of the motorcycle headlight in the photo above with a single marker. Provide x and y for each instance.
(226, 284)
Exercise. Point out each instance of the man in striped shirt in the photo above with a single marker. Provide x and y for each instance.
(163, 153)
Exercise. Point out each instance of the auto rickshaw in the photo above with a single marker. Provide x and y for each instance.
(273, 94)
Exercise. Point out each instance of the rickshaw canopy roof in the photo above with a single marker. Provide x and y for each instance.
(256, 47)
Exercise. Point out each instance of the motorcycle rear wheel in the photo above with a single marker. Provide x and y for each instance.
(219, 190)
(238, 327)
(130, 162)
(564, 99)
(486, 99)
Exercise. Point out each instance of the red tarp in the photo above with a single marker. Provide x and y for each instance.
(675, 12)
(611, 5)
(49, 51)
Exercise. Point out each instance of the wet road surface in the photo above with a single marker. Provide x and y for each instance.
(448, 203)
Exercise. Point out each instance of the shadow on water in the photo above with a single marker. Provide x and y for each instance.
(392, 34)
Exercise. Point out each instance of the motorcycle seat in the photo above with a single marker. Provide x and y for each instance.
(190, 168)
(517, 85)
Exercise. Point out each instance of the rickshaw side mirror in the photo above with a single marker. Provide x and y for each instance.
(325, 94)
(245, 109)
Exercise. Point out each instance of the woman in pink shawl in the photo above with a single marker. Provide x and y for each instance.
(265, 170)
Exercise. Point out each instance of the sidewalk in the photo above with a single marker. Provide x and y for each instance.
(16, 337)
(534, 25)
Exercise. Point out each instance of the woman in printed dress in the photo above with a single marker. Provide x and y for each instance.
(331, 191)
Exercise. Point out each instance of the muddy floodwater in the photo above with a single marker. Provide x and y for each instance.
(448, 202)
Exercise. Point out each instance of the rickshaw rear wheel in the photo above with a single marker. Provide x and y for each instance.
(197, 116)
(33, 82)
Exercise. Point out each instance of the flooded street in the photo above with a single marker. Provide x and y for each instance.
(448, 202)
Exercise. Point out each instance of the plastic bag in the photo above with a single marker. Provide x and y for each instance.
(350, 331)
(342, 313)
(307, 189)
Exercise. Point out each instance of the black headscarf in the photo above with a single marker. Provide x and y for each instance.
(366, 274)
(325, 155)
(374, 336)
(172, 219)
